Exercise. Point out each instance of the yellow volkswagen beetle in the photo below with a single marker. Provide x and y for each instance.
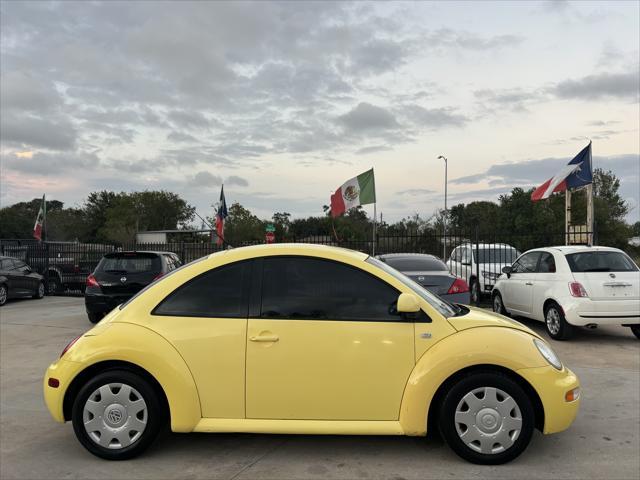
(311, 340)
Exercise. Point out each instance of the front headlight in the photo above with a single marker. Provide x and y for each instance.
(490, 275)
(548, 354)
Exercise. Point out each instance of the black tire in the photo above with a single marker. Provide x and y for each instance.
(555, 322)
(54, 285)
(476, 381)
(636, 330)
(498, 304)
(155, 417)
(474, 289)
(94, 317)
(4, 294)
(39, 293)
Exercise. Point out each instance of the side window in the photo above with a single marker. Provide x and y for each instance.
(5, 265)
(170, 265)
(316, 289)
(466, 255)
(455, 255)
(526, 263)
(221, 292)
(176, 261)
(547, 263)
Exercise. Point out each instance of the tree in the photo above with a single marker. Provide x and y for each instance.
(242, 226)
(17, 220)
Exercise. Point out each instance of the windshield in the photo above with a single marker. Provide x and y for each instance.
(416, 264)
(497, 254)
(600, 262)
(436, 302)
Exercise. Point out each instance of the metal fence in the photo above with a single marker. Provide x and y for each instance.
(476, 256)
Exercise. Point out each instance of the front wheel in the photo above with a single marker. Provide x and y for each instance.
(487, 418)
(557, 326)
(94, 317)
(117, 415)
(475, 291)
(4, 294)
(54, 285)
(636, 330)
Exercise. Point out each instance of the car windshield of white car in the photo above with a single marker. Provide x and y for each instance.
(601, 262)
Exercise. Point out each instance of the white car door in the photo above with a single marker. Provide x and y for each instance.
(519, 291)
(545, 280)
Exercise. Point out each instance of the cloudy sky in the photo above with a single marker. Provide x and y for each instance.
(284, 101)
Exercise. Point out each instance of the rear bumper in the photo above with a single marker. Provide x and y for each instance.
(552, 385)
(584, 311)
(103, 304)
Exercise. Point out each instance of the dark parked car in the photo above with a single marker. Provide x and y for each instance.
(432, 273)
(17, 280)
(120, 275)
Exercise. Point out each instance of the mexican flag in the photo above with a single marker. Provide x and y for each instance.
(37, 228)
(360, 190)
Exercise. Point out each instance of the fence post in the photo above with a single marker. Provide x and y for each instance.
(477, 262)
(46, 268)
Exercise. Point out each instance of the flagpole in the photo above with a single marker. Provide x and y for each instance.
(44, 217)
(373, 250)
(590, 201)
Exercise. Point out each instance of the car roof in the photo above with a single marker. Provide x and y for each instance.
(567, 249)
(398, 255)
(155, 252)
(486, 245)
(295, 249)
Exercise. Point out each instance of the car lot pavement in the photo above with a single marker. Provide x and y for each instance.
(604, 442)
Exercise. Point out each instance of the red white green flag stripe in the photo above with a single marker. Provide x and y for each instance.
(360, 190)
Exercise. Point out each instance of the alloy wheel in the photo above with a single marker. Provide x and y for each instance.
(488, 420)
(41, 290)
(497, 304)
(3, 295)
(115, 416)
(553, 321)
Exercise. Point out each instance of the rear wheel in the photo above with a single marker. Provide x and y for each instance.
(557, 326)
(487, 418)
(117, 415)
(498, 305)
(4, 294)
(94, 317)
(39, 291)
(54, 285)
(636, 330)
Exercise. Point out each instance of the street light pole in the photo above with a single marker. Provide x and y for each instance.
(444, 219)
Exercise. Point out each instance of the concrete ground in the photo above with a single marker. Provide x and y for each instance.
(604, 442)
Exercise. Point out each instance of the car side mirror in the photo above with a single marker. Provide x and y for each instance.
(408, 303)
(507, 269)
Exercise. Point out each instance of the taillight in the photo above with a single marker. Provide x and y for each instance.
(69, 345)
(161, 274)
(577, 290)
(92, 282)
(459, 286)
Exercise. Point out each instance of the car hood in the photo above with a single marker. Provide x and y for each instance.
(478, 317)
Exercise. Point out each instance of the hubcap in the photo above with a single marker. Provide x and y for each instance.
(553, 321)
(115, 416)
(53, 286)
(488, 420)
(41, 290)
(3, 294)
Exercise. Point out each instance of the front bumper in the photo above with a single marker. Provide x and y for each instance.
(64, 371)
(552, 385)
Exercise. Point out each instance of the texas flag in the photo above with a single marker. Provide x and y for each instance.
(577, 173)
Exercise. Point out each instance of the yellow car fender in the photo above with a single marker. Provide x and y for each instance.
(148, 350)
(504, 347)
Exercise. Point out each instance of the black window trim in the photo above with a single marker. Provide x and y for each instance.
(542, 252)
(423, 317)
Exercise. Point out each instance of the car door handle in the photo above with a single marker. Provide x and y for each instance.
(529, 283)
(264, 338)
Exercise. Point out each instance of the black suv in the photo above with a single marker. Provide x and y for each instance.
(120, 275)
(17, 280)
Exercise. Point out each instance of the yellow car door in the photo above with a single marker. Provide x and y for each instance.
(206, 321)
(324, 343)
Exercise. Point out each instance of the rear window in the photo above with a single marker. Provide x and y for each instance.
(497, 255)
(600, 262)
(129, 263)
(415, 264)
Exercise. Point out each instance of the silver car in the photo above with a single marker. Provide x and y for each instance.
(432, 273)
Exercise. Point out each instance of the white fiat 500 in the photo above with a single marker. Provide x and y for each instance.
(571, 286)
